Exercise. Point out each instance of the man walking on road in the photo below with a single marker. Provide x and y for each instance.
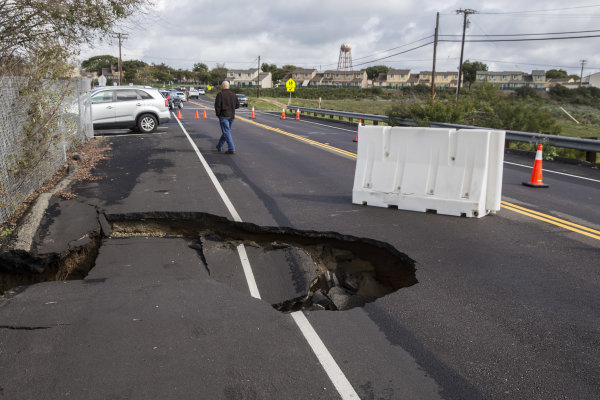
(225, 105)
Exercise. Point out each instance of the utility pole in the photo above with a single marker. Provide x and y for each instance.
(435, 42)
(119, 36)
(581, 76)
(258, 79)
(465, 13)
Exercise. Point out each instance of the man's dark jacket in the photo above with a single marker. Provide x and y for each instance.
(226, 103)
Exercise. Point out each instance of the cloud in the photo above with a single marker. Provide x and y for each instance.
(309, 33)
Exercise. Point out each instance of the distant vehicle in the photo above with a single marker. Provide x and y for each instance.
(178, 94)
(193, 93)
(243, 100)
(166, 95)
(132, 107)
(201, 91)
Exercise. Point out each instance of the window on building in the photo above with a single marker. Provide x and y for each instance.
(337, 75)
(392, 76)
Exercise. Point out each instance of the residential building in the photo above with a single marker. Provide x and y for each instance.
(443, 80)
(592, 80)
(247, 77)
(302, 77)
(345, 78)
(513, 79)
(399, 78)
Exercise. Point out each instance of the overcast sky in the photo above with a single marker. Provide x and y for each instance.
(309, 33)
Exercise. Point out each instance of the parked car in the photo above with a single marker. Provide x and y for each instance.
(243, 100)
(193, 93)
(166, 95)
(132, 107)
(179, 94)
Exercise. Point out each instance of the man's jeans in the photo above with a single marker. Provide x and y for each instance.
(226, 136)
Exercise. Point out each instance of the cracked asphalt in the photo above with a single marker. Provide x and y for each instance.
(505, 307)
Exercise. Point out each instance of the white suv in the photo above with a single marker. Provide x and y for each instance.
(133, 107)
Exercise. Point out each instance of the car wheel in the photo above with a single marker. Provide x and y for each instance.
(147, 123)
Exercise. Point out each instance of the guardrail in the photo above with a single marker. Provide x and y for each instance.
(590, 146)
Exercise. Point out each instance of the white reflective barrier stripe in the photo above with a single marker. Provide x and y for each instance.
(327, 361)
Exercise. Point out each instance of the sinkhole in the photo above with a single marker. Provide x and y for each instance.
(331, 271)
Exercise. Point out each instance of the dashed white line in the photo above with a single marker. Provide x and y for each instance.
(332, 369)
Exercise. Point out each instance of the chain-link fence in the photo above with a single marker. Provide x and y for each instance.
(64, 119)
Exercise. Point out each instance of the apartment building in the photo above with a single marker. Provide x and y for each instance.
(513, 79)
(344, 78)
(247, 77)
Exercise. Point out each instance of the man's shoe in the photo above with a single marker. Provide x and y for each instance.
(218, 149)
(230, 152)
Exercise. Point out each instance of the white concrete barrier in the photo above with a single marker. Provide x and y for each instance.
(430, 169)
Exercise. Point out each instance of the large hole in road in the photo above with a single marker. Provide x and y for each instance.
(349, 271)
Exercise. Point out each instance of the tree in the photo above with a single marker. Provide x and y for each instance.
(96, 63)
(374, 71)
(556, 74)
(39, 40)
(200, 67)
(217, 75)
(131, 70)
(268, 67)
(162, 72)
(469, 70)
(279, 73)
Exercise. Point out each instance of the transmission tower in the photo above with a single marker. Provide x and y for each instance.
(345, 59)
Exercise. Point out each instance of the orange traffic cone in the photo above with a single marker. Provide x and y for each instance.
(178, 114)
(197, 116)
(536, 175)
(359, 124)
(252, 116)
(204, 115)
(283, 113)
(297, 113)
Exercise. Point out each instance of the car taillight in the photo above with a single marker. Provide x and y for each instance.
(167, 102)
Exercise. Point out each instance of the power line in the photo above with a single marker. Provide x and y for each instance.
(535, 11)
(394, 48)
(523, 40)
(396, 54)
(528, 34)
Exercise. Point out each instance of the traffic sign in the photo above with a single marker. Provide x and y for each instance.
(290, 85)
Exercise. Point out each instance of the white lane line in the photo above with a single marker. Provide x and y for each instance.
(234, 214)
(554, 172)
(332, 369)
(248, 271)
(327, 361)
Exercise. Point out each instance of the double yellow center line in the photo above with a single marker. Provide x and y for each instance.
(583, 230)
(594, 234)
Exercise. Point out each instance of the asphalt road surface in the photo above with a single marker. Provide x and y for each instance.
(505, 307)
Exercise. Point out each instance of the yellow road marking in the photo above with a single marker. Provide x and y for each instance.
(583, 230)
(594, 234)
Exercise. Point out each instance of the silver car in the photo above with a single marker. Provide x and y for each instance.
(134, 107)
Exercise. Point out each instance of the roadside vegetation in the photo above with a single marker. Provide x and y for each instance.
(525, 109)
